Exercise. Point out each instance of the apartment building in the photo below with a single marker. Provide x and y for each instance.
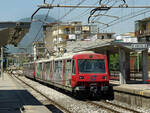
(57, 34)
(142, 30)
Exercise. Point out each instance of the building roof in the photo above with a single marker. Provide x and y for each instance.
(13, 32)
(105, 33)
(129, 34)
(144, 20)
(101, 45)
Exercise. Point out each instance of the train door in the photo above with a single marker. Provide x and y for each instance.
(44, 71)
(38, 70)
(51, 71)
(63, 72)
(31, 70)
(67, 75)
(34, 69)
(28, 73)
(58, 72)
(47, 71)
(73, 81)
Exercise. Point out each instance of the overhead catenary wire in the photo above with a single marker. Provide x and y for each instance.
(85, 13)
(82, 14)
(100, 12)
(71, 10)
(77, 6)
(126, 17)
(47, 6)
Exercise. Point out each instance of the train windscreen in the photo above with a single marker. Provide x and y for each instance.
(91, 66)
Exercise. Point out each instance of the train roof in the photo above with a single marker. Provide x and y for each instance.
(67, 56)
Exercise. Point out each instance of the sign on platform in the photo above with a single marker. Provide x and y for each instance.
(139, 46)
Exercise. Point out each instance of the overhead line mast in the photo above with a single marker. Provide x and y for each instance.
(50, 6)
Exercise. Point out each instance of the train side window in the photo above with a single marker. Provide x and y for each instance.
(56, 66)
(47, 66)
(73, 67)
(60, 69)
(40, 67)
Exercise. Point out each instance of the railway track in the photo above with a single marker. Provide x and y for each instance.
(45, 96)
(119, 106)
(104, 105)
(111, 107)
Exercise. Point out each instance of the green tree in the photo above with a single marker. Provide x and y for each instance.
(114, 62)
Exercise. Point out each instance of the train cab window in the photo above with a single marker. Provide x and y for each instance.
(91, 66)
(73, 67)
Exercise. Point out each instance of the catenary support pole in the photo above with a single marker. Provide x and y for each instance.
(145, 65)
(124, 65)
(2, 62)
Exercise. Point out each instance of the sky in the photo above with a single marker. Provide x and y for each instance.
(14, 10)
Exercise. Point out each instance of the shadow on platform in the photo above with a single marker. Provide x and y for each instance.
(11, 101)
(135, 82)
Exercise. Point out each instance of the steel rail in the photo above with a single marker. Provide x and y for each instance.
(53, 102)
(103, 107)
(115, 105)
(122, 107)
(89, 102)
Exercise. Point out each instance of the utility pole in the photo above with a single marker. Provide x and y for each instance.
(2, 62)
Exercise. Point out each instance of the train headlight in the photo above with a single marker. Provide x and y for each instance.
(81, 77)
(104, 77)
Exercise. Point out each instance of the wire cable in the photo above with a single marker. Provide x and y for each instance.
(126, 17)
(71, 10)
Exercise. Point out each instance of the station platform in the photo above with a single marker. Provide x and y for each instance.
(13, 98)
(132, 93)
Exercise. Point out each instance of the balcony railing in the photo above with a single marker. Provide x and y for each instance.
(143, 33)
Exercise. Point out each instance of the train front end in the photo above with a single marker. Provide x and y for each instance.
(91, 74)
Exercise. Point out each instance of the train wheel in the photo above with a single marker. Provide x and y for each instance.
(80, 95)
(110, 93)
(95, 96)
(76, 94)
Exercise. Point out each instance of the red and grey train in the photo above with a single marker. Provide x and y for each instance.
(77, 73)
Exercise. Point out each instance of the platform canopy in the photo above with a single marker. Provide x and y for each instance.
(13, 32)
